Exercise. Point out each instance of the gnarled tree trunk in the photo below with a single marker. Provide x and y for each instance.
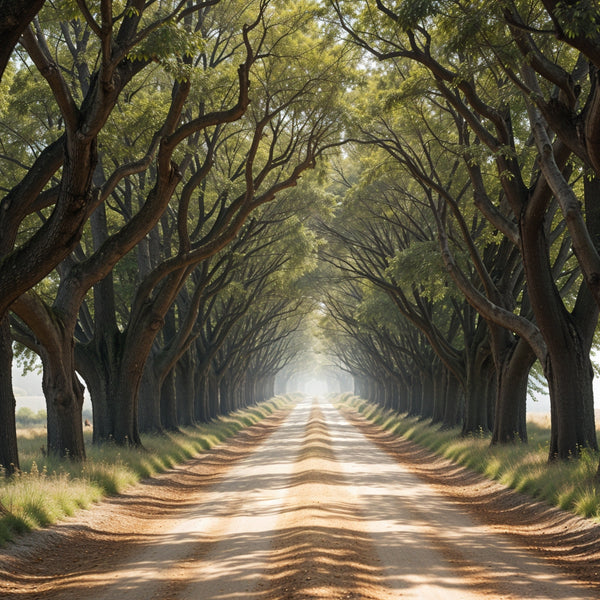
(9, 455)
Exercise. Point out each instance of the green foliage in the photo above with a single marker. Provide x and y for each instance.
(26, 417)
(579, 18)
(421, 264)
(65, 10)
(413, 87)
(27, 360)
(411, 13)
(5, 85)
(169, 44)
(378, 310)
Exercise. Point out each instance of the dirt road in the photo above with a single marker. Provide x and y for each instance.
(306, 508)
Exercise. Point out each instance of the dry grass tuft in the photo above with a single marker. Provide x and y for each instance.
(47, 489)
(570, 485)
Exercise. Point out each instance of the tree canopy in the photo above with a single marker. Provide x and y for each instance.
(198, 197)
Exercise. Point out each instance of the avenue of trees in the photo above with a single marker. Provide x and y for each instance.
(192, 190)
(146, 151)
(472, 213)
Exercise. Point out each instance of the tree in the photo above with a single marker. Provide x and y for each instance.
(473, 85)
(53, 327)
(57, 177)
(286, 129)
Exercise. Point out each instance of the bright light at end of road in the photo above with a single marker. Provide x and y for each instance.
(316, 387)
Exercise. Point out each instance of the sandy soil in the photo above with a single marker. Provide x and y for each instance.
(310, 505)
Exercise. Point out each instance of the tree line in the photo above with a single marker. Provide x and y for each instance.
(155, 241)
(150, 244)
(467, 245)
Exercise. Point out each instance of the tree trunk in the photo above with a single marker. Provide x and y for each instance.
(248, 390)
(236, 395)
(9, 455)
(240, 391)
(427, 393)
(149, 401)
(480, 371)
(115, 417)
(227, 404)
(214, 395)
(201, 404)
(269, 387)
(440, 379)
(98, 362)
(571, 403)
(386, 392)
(454, 403)
(64, 400)
(185, 389)
(401, 403)
(510, 423)
(168, 403)
(568, 338)
(124, 406)
(416, 391)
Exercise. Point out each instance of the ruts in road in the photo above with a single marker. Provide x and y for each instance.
(310, 510)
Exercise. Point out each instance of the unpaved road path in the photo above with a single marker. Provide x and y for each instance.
(310, 507)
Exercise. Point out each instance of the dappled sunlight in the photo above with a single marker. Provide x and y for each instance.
(426, 542)
(315, 512)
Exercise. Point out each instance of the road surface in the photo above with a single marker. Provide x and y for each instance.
(310, 510)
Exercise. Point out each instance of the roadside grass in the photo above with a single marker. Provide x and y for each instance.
(48, 489)
(569, 485)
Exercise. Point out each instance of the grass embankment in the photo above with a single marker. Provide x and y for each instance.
(569, 485)
(48, 489)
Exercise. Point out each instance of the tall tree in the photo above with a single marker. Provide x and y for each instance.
(286, 128)
(58, 176)
(472, 84)
(54, 327)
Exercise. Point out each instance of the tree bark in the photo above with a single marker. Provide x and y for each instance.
(567, 365)
(98, 362)
(227, 402)
(570, 378)
(168, 403)
(51, 336)
(510, 421)
(454, 403)
(480, 372)
(64, 401)
(185, 389)
(9, 454)
(149, 401)
(427, 394)
(201, 404)
(416, 393)
(213, 395)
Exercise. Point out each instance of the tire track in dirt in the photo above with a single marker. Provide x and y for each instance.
(321, 549)
(80, 556)
(496, 546)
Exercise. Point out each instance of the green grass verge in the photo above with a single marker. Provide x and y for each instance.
(48, 489)
(569, 485)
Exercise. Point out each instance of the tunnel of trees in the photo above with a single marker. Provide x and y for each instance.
(199, 198)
